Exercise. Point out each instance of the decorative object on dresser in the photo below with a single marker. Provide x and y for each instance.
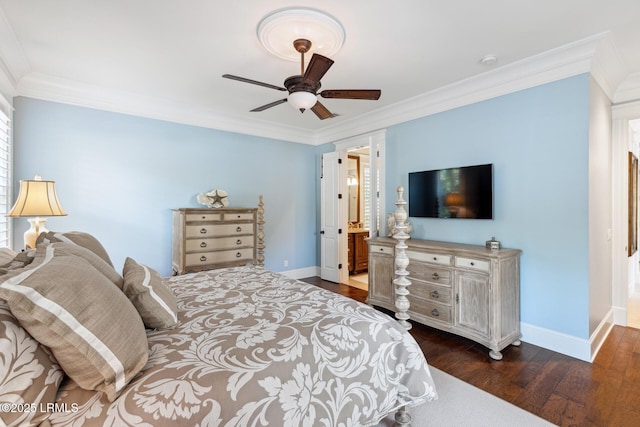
(467, 290)
(214, 199)
(204, 239)
(37, 198)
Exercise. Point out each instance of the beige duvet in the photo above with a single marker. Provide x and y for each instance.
(254, 348)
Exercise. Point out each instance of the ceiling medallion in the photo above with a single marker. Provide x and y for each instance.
(279, 29)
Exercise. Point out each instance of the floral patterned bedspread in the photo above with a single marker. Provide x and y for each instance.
(255, 348)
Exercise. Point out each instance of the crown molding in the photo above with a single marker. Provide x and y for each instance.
(595, 54)
(48, 88)
(629, 90)
(13, 62)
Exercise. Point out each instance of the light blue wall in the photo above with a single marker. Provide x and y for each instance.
(119, 176)
(537, 140)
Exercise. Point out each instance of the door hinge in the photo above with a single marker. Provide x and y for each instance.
(457, 298)
(340, 196)
(339, 266)
(339, 230)
(339, 161)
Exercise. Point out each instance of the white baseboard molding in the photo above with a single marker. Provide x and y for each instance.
(620, 316)
(302, 273)
(580, 348)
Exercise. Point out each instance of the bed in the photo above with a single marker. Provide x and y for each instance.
(240, 346)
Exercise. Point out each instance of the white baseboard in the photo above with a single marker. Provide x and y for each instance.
(583, 349)
(620, 316)
(302, 273)
(556, 341)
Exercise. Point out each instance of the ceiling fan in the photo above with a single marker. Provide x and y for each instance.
(303, 88)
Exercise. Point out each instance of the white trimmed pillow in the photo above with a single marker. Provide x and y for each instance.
(71, 249)
(153, 299)
(79, 238)
(91, 327)
(28, 375)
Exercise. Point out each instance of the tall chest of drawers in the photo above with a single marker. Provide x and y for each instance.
(464, 289)
(205, 239)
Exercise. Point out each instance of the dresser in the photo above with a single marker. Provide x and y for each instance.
(467, 290)
(208, 238)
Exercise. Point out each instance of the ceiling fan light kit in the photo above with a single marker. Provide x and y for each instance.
(303, 88)
(302, 100)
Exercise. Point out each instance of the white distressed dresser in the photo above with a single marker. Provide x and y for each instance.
(464, 289)
(207, 238)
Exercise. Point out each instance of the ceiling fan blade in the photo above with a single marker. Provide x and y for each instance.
(317, 67)
(253, 82)
(273, 104)
(352, 94)
(321, 111)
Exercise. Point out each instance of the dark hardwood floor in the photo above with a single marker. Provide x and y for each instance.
(558, 388)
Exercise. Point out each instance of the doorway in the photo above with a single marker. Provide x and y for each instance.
(626, 264)
(367, 170)
(359, 216)
(633, 286)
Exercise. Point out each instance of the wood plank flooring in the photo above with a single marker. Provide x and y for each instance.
(558, 388)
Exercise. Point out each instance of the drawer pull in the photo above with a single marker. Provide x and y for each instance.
(204, 217)
(203, 244)
(435, 258)
(203, 258)
(435, 276)
(239, 229)
(472, 263)
(435, 312)
(435, 294)
(203, 231)
(238, 255)
(238, 242)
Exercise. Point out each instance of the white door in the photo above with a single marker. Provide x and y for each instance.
(333, 216)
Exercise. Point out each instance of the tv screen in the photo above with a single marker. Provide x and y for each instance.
(464, 192)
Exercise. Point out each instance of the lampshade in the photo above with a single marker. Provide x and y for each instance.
(302, 100)
(37, 198)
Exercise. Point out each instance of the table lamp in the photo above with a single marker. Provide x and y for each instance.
(37, 198)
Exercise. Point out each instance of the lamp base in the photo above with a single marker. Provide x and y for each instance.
(31, 235)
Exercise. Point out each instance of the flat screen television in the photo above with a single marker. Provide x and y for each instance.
(464, 192)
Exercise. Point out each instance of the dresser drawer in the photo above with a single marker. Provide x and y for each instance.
(429, 257)
(429, 273)
(205, 258)
(206, 230)
(381, 249)
(238, 217)
(203, 217)
(195, 245)
(474, 264)
(434, 311)
(431, 292)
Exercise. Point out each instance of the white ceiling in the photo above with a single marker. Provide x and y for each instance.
(165, 59)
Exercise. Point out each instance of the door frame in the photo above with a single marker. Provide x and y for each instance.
(625, 268)
(376, 143)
